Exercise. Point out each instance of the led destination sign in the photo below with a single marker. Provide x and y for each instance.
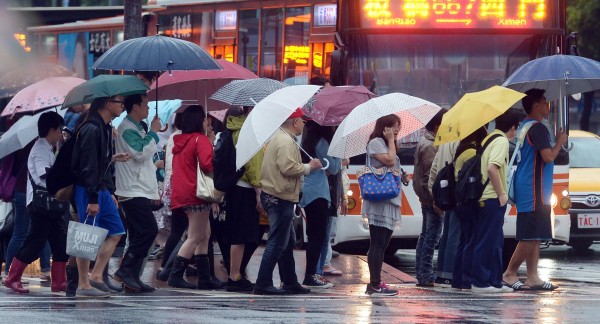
(454, 13)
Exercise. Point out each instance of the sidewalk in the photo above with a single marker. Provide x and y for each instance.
(354, 267)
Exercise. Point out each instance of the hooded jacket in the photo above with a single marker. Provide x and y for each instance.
(252, 168)
(189, 150)
(424, 156)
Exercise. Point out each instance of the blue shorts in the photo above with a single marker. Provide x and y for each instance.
(108, 218)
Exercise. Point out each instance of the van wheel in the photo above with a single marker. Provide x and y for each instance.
(581, 245)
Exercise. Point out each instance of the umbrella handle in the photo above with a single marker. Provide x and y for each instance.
(326, 164)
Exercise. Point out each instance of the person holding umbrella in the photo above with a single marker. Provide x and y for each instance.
(46, 225)
(94, 187)
(281, 180)
(533, 188)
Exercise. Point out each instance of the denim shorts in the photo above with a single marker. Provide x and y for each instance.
(108, 217)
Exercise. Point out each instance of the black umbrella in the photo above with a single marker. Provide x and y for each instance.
(157, 54)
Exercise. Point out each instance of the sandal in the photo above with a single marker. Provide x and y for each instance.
(517, 285)
(545, 286)
(332, 272)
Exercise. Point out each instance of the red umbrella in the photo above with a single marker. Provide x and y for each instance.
(332, 104)
(199, 85)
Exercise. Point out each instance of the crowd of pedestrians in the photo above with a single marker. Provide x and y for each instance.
(116, 188)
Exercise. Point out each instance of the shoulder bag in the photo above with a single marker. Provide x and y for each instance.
(378, 184)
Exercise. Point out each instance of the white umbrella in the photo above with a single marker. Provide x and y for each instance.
(352, 136)
(21, 133)
(267, 116)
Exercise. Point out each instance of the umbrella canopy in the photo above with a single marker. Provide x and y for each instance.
(473, 111)
(559, 75)
(104, 86)
(13, 81)
(352, 136)
(267, 116)
(247, 92)
(21, 133)
(156, 53)
(41, 95)
(198, 85)
(332, 104)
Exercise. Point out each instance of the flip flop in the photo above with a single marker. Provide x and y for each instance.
(545, 286)
(517, 285)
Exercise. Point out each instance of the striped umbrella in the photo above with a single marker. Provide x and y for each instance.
(247, 92)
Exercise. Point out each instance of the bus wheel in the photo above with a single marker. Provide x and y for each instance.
(510, 244)
(581, 245)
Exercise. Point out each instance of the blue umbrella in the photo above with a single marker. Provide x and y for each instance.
(559, 75)
(156, 53)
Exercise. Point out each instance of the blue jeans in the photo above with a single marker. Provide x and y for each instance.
(448, 245)
(20, 231)
(430, 235)
(280, 245)
(463, 265)
(326, 249)
(487, 253)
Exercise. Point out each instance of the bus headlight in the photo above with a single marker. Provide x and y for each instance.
(553, 200)
(565, 203)
(349, 193)
(351, 203)
(565, 193)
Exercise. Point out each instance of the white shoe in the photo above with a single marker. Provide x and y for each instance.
(505, 289)
(485, 290)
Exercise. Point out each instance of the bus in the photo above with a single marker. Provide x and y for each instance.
(439, 50)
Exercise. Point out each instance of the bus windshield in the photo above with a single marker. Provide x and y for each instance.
(440, 67)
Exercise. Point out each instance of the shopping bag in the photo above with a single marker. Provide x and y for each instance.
(84, 241)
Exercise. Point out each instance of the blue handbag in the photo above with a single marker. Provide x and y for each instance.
(378, 184)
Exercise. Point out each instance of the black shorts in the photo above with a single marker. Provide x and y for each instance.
(535, 225)
(241, 216)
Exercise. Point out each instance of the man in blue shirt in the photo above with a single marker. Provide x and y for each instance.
(533, 187)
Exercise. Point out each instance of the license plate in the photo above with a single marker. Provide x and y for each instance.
(588, 221)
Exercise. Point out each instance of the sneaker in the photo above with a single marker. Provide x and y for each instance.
(485, 290)
(427, 284)
(505, 289)
(443, 282)
(382, 290)
(317, 281)
(242, 285)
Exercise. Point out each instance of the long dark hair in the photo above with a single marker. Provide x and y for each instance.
(313, 132)
(382, 123)
(192, 120)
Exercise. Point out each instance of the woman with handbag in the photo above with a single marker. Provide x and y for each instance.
(47, 221)
(192, 151)
(316, 199)
(383, 215)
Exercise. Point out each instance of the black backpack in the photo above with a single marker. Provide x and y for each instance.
(224, 170)
(61, 175)
(443, 196)
(469, 187)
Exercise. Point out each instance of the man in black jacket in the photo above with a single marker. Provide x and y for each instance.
(94, 187)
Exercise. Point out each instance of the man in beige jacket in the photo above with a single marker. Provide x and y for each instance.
(281, 180)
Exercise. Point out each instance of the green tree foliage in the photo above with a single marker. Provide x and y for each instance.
(583, 16)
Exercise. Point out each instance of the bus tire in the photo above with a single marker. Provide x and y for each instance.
(581, 245)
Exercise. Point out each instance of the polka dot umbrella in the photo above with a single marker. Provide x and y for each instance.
(352, 135)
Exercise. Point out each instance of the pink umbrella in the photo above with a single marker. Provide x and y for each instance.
(199, 85)
(332, 104)
(43, 94)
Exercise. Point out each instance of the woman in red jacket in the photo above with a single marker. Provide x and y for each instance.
(192, 148)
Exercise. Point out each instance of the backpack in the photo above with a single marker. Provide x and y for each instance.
(444, 187)
(61, 177)
(224, 169)
(469, 187)
(8, 180)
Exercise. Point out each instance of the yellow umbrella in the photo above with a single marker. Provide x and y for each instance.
(474, 110)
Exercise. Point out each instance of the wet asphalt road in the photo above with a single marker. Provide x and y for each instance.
(575, 302)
